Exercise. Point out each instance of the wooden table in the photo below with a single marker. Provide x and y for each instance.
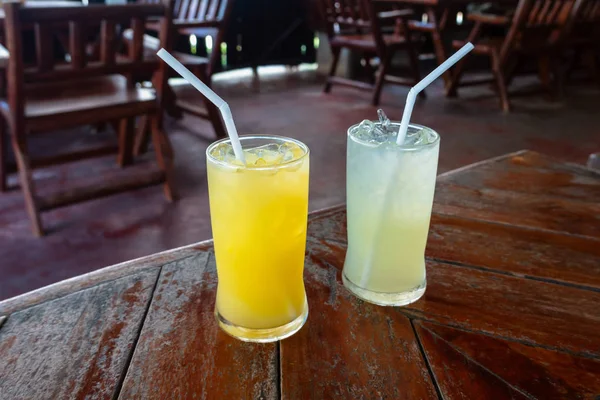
(512, 310)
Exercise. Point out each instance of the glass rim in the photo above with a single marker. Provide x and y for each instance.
(401, 147)
(243, 138)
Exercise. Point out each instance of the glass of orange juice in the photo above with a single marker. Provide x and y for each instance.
(259, 215)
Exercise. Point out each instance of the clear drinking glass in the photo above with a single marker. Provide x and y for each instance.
(259, 217)
(389, 199)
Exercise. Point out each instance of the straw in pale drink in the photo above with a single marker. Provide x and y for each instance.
(390, 191)
(259, 217)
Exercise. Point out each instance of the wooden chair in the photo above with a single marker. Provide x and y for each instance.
(49, 96)
(358, 25)
(533, 31)
(583, 37)
(201, 18)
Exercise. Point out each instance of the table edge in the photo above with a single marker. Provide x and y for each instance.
(119, 270)
(116, 271)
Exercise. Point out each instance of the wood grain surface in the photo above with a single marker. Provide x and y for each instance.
(532, 311)
(525, 189)
(522, 252)
(182, 354)
(546, 314)
(474, 366)
(350, 349)
(532, 211)
(97, 277)
(511, 311)
(532, 174)
(75, 347)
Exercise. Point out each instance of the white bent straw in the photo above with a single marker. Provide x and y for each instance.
(210, 95)
(414, 91)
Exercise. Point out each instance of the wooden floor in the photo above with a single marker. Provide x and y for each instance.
(107, 231)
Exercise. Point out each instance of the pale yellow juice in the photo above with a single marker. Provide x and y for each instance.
(389, 196)
(259, 218)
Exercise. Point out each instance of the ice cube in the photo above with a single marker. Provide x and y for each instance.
(264, 149)
(290, 151)
(379, 133)
(419, 137)
(365, 128)
(383, 120)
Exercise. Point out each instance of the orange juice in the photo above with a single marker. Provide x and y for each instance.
(259, 217)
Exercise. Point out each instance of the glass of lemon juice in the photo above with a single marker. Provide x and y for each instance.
(259, 217)
(389, 194)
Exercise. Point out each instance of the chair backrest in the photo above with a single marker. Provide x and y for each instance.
(78, 24)
(348, 16)
(536, 23)
(200, 10)
(585, 19)
(398, 25)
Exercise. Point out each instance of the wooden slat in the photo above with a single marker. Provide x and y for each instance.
(136, 48)
(107, 42)
(77, 44)
(546, 314)
(481, 367)
(76, 346)
(213, 10)
(183, 9)
(97, 187)
(328, 224)
(202, 9)
(519, 209)
(44, 47)
(94, 68)
(89, 14)
(193, 9)
(76, 155)
(521, 252)
(533, 174)
(398, 80)
(349, 349)
(338, 80)
(183, 354)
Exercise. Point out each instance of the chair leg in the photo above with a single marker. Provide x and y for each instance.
(334, 63)
(164, 157)
(559, 74)
(438, 44)
(589, 58)
(142, 136)
(171, 103)
(215, 119)
(457, 73)
(213, 112)
(545, 76)
(383, 68)
(126, 133)
(500, 82)
(514, 65)
(414, 67)
(255, 79)
(19, 145)
(3, 158)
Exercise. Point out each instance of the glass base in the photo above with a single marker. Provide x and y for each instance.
(262, 335)
(383, 298)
